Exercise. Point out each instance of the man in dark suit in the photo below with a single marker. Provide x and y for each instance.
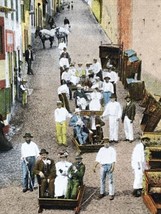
(128, 116)
(29, 59)
(46, 173)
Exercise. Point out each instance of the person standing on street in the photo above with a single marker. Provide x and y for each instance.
(24, 91)
(113, 113)
(128, 116)
(106, 157)
(29, 154)
(46, 172)
(61, 115)
(5, 145)
(29, 59)
(138, 164)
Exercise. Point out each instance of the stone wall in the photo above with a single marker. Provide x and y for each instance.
(146, 40)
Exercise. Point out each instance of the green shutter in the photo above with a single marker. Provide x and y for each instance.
(8, 100)
(2, 102)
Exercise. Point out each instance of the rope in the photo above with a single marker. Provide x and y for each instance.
(89, 197)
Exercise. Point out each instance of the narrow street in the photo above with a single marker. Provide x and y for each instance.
(38, 118)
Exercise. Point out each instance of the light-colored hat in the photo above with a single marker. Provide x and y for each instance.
(110, 66)
(78, 157)
(63, 154)
(77, 110)
(79, 86)
(59, 102)
(107, 77)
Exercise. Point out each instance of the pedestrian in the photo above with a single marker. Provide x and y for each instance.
(78, 127)
(63, 94)
(71, 5)
(5, 145)
(113, 113)
(24, 92)
(128, 116)
(61, 180)
(51, 22)
(138, 164)
(61, 115)
(46, 173)
(29, 154)
(108, 90)
(75, 177)
(66, 21)
(106, 157)
(29, 59)
(97, 69)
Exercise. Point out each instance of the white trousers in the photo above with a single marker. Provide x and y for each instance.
(128, 129)
(113, 128)
(138, 179)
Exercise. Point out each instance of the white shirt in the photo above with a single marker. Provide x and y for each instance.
(29, 149)
(113, 76)
(96, 67)
(106, 155)
(66, 76)
(63, 89)
(61, 114)
(138, 156)
(108, 87)
(113, 109)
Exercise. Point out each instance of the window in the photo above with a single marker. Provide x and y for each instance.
(2, 50)
(6, 4)
(12, 14)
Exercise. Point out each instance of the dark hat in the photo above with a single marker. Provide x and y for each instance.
(27, 135)
(145, 138)
(43, 151)
(113, 96)
(63, 154)
(107, 78)
(78, 157)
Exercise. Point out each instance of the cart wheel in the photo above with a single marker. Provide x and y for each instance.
(40, 210)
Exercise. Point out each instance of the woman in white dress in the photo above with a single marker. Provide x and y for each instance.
(61, 180)
(95, 103)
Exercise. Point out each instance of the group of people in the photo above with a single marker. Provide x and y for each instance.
(94, 90)
(56, 180)
(106, 158)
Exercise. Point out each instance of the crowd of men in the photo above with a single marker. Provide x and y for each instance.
(93, 89)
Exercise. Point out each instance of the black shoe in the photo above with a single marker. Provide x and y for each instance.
(24, 190)
(31, 189)
(115, 141)
(101, 196)
(126, 139)
(111, 197)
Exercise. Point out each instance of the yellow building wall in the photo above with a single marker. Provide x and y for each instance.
(96, 9)
(110, 19)
(2, 69)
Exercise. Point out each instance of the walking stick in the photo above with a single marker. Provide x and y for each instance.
(29, 174)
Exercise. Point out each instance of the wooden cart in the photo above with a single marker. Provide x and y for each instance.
(87, 148)
(59, 203)
(152, 192)
(112, 52)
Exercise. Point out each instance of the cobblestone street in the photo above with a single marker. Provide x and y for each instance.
(37, 118)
